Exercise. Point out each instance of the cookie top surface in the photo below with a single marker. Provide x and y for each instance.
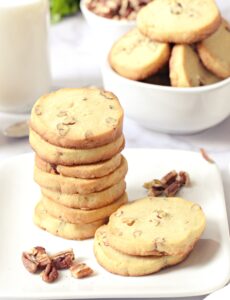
(165, 225)
(214, 51)
(179, 21)
(186, 69)
(78, 118)
(135, 56)
(128, 265)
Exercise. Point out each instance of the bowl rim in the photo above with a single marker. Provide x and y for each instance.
(85, 10)
(194, 90)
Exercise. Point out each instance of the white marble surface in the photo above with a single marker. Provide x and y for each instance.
(74, 63)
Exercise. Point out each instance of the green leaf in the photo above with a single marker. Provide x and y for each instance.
(62, 8)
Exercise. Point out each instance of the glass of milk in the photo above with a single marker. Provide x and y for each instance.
(24, 57)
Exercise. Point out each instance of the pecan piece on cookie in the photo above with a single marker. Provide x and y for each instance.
(69, 120)
(176, 8)
(38, 110)
(62, 129)
(129, 221)
(80, 270)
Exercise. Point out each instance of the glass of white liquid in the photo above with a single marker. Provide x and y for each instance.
(24, 53)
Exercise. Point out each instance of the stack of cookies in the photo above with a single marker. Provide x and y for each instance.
(149, 234)
(193, 45)
(77, 137)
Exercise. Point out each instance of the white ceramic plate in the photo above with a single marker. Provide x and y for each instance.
(205, 270)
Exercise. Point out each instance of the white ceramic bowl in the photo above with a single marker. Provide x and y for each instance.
(169, 109)
(106, 31)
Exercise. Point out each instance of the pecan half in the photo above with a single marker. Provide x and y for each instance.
(29, 262)
(172, 189)
(50, 274)
(80, 270)
(169, 178)
(155, 187)
(183, 178)
(35, 259)
(63, 259)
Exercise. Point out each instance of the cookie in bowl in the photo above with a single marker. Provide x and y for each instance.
(137, 57)
(186, 70)
(215, 51)
(180, 21)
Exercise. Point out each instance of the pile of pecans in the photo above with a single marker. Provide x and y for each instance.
(116, 9)
(168, 185)
(37, 259)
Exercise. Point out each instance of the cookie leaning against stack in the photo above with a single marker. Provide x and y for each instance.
(149, 234)
(77, 137)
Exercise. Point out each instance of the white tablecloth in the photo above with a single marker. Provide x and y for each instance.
(74, 63)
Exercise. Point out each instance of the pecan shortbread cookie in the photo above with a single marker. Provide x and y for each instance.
(74, 215)
(137, 57)
(129, 265)
(156, 226)
(186, 70)
(89, 201)
(78, 118)
(215, 51)
(95, 170)
(71, 185)
(68, 157)
(179, 21)
(63, 229)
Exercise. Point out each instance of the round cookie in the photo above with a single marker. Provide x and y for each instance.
(137, 57)
(186, 70)
(89, 201)
(74, 215)
(68, 157)
(95, 170)
(63, 229)
(128, 265)
(71, 185)
(215, 51)
(167, 226)
(179, 21)
(78, 118)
